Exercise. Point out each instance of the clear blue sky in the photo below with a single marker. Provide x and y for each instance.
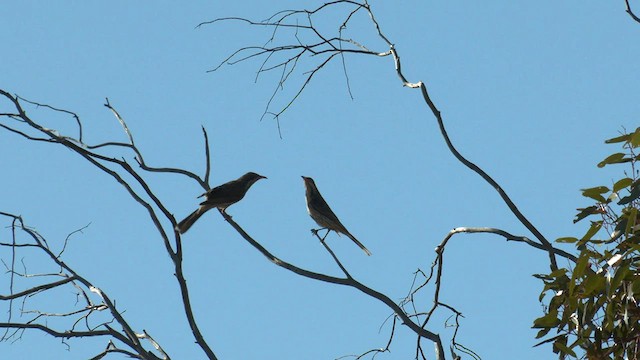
(528, 91)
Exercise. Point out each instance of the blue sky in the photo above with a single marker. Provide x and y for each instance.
(528, 91)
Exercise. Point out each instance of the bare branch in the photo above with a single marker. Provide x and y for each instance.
(287, 57)
(69, 277)
(36, 289)
(145, 335)
(117, 169)
(207, 154)
(333, 255)
(74, 115)
(66, 240)
(508, 237)
(510, 204)
(349, 281)
(630, 12)
(55, 333)
(139, 158)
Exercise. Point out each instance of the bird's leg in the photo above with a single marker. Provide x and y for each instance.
(223, 211)
(333, 255)
(315, 232)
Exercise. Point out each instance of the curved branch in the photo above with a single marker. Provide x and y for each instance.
(510, 204)
(139, 158)
(36, 289)
(333, 255)
(55, 333)
(342, 281)
(630, 12)
(207, 157)
(325, 48)
(103, 163)
(131, 339)
(74, 115)
(509, 237)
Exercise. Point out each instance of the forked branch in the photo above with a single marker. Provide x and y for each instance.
(27, 239)
(17, 121)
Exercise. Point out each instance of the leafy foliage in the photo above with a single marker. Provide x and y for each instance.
(593, 307)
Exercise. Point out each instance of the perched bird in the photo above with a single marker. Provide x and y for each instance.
(321, 212)
(221, 197)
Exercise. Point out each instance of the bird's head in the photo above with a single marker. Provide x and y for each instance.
(251, 177)
(308, 182)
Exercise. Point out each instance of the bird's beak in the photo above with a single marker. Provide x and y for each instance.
(262, 177)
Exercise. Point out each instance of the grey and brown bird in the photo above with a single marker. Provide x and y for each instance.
(221, 197)
(322, 214)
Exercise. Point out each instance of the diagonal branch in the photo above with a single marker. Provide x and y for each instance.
(55, 333)
(119, 169)
(333, 255)
(349, 281)
(37, 289)
(319, 49)
(510, 204)
(630, 12)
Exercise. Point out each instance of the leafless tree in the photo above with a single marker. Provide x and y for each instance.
(295, 42)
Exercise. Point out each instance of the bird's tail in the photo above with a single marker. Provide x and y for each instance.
(185, 224)
(366, 251)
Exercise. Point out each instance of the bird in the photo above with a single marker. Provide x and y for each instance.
(322, 214)
(221, 197)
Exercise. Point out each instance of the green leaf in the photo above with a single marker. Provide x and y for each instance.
(578, 271)
(620, 275)
(631, 247)
(584, 212)
(620, 228)
(542, 276)
(593, 229)
(616, 158)
(548, 321)
(635, 193)
(635, 285)
(542, 333)
(621, 184)
(581, 265)
(581, 340)
(595, 193)
(567, 240)
(542, 295)
(608, 323)
(632, 217)
(593, 283)
(558, 272)
(635, 138)
(563, 348)
(618, 139)
(597, 306)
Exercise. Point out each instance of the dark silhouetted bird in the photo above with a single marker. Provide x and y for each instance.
(221, 197)
(321, 212)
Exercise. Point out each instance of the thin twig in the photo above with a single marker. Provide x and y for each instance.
(351, 282)
(630, 12)
(333, 255)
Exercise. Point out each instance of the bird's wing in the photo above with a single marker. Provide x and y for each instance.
(223, 194)
(328, 213)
